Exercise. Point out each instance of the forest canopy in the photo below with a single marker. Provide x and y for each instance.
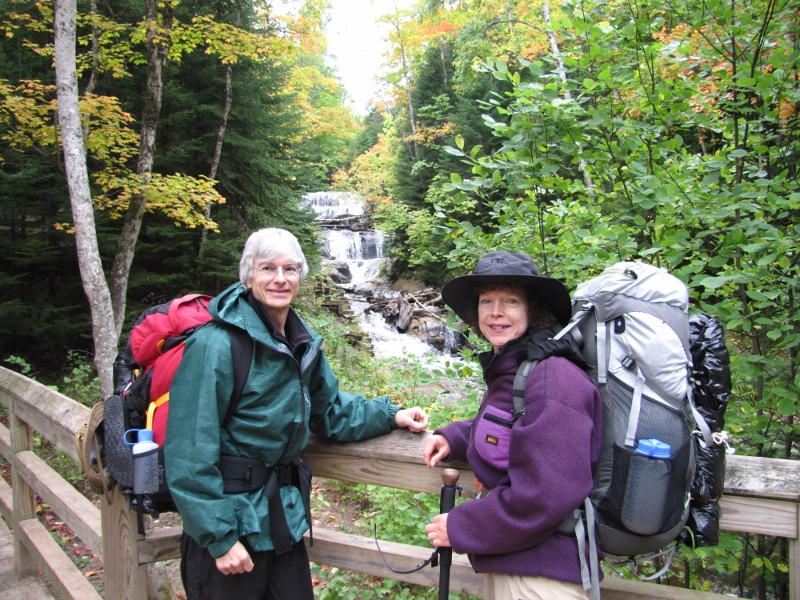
(580, 132)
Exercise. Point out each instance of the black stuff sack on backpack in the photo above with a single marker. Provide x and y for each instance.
(711, 384)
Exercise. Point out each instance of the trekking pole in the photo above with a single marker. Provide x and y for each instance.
(448, 501)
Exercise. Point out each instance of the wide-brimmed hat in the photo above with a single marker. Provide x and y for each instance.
(507, 268)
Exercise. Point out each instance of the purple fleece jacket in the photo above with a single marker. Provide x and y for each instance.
(539, 470)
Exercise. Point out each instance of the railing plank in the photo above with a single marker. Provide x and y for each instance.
(5, 442)
(63, 575)
(358, 553)
(6, 501)
(393, 460)
(400, 445)
(746, 514)
(771, 478)
(763, 517)
(625, 589)
(69, 504)
(398, 475)
(761, 496)
(55, 416)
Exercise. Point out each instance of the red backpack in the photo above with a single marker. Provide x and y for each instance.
(156, 344)
(143, 373)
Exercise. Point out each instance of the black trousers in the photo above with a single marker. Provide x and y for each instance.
(284, 576)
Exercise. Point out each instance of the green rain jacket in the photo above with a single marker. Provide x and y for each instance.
(282, 401)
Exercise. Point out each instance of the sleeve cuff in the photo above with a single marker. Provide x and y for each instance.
(218, 548)
(393, 410)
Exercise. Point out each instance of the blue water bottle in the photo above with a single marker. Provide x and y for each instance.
(647, 485)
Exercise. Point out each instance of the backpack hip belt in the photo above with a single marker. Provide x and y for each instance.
(241, 475)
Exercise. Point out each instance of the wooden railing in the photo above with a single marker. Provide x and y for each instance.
(761, 497)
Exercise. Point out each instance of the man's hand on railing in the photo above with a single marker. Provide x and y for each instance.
(414, 419)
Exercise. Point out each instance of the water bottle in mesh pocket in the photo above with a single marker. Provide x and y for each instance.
(146, 471)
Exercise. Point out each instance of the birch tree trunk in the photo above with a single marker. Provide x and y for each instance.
(223, 125)
(91, 268)
(551, 37)
(445, 77)
(158, 45)
(412, 120)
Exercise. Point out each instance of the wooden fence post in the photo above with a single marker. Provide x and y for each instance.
(125, 578)
(794, 562)
(24, 497)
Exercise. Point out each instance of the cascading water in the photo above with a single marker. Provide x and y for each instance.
(335, 205)
(361, 250)
(357, 256)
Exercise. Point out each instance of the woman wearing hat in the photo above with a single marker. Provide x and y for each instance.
(534, 472)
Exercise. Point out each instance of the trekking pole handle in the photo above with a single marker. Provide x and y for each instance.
(450, 477)
(448, 501)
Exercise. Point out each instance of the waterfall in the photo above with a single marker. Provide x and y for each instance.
(332, 205)
(355, 256)
(343, 244)
(362, 251)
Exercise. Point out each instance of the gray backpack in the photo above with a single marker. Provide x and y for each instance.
(632, 325)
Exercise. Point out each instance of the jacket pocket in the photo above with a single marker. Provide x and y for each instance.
(493, 437)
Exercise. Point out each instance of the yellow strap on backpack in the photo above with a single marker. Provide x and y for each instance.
(151, 410)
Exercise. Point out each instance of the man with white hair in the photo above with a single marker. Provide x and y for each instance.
(245, 540)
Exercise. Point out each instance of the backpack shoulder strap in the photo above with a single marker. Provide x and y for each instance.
(518, 389)
(541, 345)
(242, 353)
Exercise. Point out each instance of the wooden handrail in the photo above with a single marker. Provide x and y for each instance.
(56, 418)
(762, 496)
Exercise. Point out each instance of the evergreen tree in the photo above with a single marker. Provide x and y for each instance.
(266, 166)
(371, 128)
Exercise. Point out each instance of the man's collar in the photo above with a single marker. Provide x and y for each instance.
(296, 332)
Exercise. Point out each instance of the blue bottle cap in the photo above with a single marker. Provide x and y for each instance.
(653, 447)
(145, 435)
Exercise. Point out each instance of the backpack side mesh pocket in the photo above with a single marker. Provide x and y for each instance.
(118, 454)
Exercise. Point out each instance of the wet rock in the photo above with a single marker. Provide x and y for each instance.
(340, 272)
(425, 327)
(412, 286)
(405, 312)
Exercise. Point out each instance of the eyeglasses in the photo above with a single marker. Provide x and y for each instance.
(289, 272)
